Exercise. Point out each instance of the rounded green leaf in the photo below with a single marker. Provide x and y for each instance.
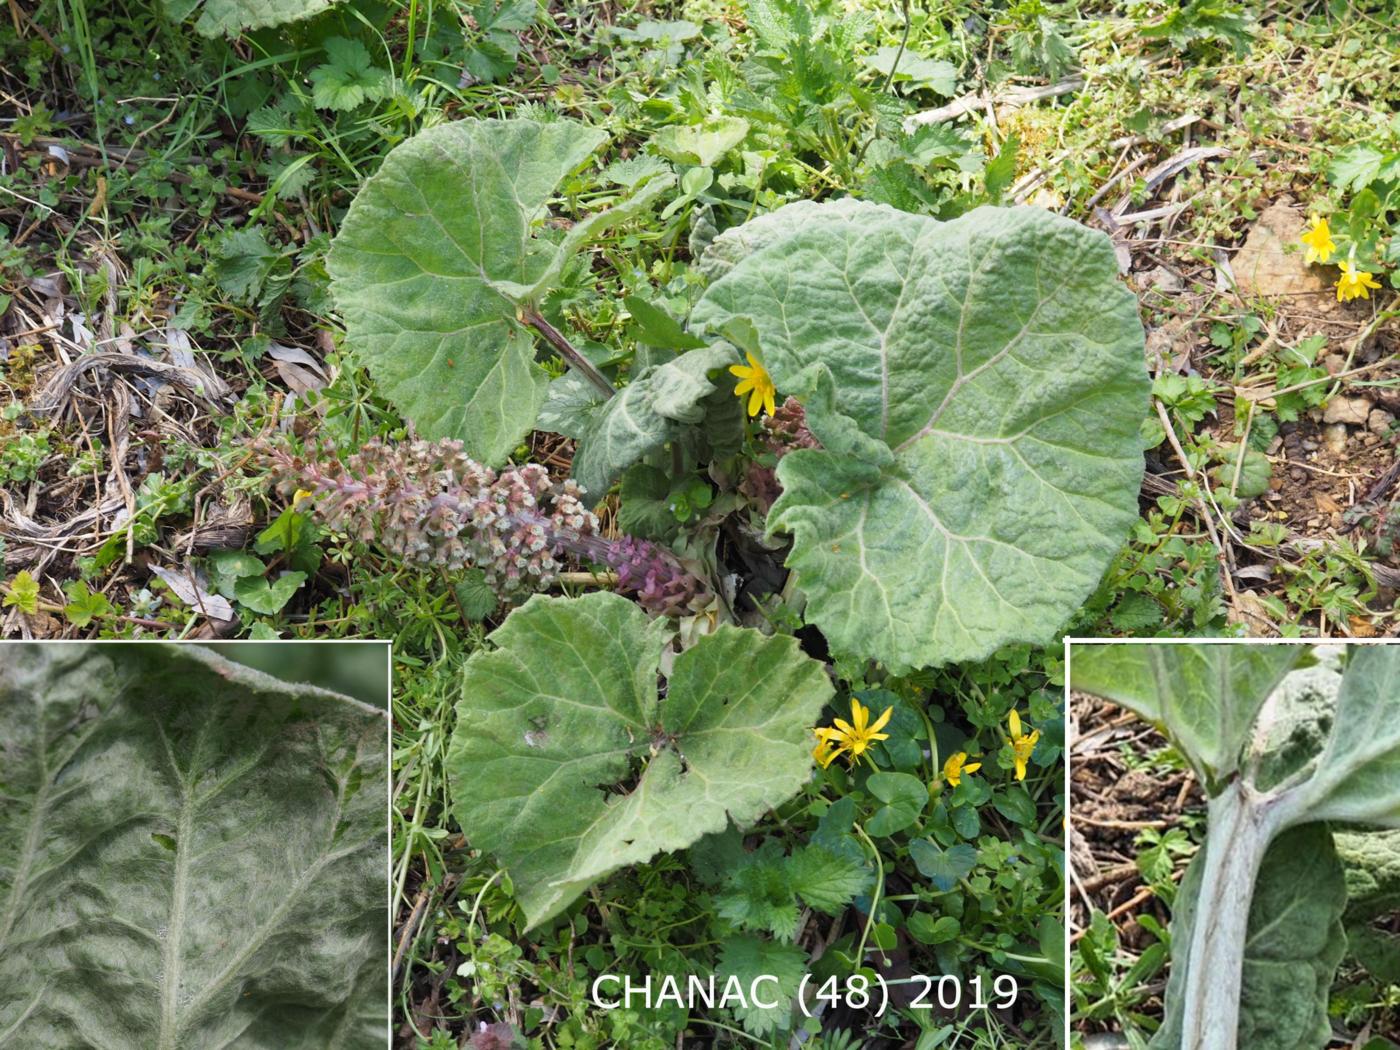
(567, 764)
(423, 264)
(978, 387)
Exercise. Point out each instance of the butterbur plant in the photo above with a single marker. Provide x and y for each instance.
(934, 452)
(1286, 740)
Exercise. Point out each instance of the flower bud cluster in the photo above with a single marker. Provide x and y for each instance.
(786, 429)
(431, 504)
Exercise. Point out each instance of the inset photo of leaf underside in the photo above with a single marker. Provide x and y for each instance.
(1235, 845)
(193, 847)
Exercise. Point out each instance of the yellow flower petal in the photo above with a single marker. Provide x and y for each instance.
(1015, 720)
(1318, 241)
(880, 722)
(972, 767)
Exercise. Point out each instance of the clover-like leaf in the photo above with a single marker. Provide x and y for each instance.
(1294, 944)
(191, 855)
(558, 713)
(1206, 697)
(996, 364)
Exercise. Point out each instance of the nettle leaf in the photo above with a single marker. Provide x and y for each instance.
(984, 389)
(436, 255)
(191, 855)
(748, 958)
(1206, 697)
(557, 713)
(643, 416)
(1294, 945)
(231, 17)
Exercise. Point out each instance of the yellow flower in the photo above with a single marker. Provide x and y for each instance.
(300, 495)
(755, 381)
(956, 766)
(1318, 241)
(1021, 745)
(1354, 284)
(854, 737)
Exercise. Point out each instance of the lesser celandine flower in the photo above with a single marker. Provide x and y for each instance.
(1354, 284)
(957, 766)
(854, 738)
(755, 381)
(1318, 241)
(1021, 744)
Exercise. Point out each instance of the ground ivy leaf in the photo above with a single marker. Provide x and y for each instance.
(191, 855)
(1294, 944)
(997, 361)
(449, 215)
(1206, 697)
(557, 710)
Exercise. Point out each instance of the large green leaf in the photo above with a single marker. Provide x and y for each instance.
(1205, 696)
(1291, 954)
(1357, 778)
(996, 365)
(437, 252)
(231, 17)
(192, 854)
(557, 712)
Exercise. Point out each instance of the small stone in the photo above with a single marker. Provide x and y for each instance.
(1335, 438)
(1162, 279)
(1309, 445)
(1371, 440)
(1298, 474)
(1379, 422)
(1353, 410)
(1333, 363)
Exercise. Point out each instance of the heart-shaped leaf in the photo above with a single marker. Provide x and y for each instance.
(987, 390)
(559, 712)
(440, 248)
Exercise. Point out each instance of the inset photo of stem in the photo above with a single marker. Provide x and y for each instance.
(1235, 858)
(193, 846)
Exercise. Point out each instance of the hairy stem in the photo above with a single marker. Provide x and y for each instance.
(570, 353)
(1241, 825)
